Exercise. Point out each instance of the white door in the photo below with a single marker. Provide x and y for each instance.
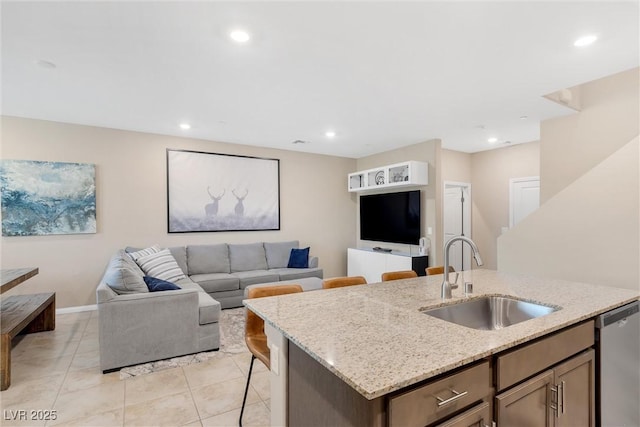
(457, 222)
(524, 198)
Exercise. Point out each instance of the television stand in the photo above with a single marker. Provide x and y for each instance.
(371, 263)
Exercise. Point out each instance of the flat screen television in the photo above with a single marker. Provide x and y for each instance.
(391, 217)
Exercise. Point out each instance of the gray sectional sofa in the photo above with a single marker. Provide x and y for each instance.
(225, 270)
(138, 326)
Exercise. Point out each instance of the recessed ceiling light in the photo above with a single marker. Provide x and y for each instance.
(330, 134)
(492, 140)
(585, 40)
(185, 126)
(239, 36)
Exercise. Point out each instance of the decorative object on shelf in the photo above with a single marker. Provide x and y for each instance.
(409, 173)
(221, 192)
(400, 173)
(380, 178)
(44, 198)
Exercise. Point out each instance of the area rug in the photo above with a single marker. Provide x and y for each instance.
(231, 342)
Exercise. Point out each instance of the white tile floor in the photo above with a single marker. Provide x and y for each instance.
(58, 373)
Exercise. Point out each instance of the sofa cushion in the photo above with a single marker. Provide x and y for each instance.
(180, 254)
(124, 276)
(138, 253)
(299, 258)
(278, 253)
(161, 265)
(209, 309)
(215, 282)
(205, 259)
(247, 257)
(256, 276)
(297, 273)
(157, 285)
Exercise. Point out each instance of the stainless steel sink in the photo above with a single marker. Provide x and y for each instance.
(490, 312)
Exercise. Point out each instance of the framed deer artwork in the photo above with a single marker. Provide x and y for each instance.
(221, 192)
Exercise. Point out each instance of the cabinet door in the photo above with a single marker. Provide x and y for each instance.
(371, 265)
(574, 380)
(527, 404)
(396, 263)
(478, 416)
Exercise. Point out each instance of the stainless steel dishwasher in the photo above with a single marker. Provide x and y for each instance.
(618, 367)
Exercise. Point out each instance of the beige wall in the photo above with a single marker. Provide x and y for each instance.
(572, 145)
(588, 232)
(455, 166)
(587, 228)
(131, 203)
(423, 152)
(490, 174)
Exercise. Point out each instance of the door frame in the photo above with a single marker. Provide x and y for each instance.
(466, 219)
(512, 182)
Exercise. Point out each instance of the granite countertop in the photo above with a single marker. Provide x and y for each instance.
(375, 338)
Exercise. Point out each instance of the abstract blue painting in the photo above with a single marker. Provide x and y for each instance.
(42, 198)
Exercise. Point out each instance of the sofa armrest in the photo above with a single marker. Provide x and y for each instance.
(132, 326)
(141, 297)
(313, 262)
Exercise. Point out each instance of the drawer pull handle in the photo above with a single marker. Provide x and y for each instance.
(456, 396)
(555, 399)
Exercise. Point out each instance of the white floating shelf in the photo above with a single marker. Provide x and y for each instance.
(391, 176)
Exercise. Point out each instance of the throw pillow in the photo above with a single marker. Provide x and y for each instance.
(155, 285)
(161, 265)
(124, 276)
(278, 253)
(142, 252)
(299, 258)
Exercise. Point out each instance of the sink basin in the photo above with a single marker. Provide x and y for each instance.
(490, 312)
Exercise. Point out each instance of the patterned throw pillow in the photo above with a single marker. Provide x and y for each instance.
(161, 265)
(143, 252)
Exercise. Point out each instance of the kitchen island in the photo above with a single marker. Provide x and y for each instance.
(376, 342)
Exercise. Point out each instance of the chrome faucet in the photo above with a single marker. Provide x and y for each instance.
(445, 292)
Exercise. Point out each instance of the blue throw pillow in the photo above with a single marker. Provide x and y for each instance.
(155, 284)
(299, 258)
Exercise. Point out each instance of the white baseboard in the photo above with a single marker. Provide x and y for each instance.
(76, 309)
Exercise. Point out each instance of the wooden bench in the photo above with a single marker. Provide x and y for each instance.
(23, 314)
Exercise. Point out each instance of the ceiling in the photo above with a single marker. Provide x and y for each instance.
(382, 75)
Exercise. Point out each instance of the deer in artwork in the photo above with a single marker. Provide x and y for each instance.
(211, 209)
(240, 205)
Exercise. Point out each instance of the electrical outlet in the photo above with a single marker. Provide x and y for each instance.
(275, 359)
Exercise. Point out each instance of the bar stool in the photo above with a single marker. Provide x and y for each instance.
(396, 275)
(254, 334)
(339, 282)
(431, 271)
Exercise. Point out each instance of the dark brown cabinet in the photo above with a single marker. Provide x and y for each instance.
(478, 416)
(559, 397)
(547, 382)
(442, 398)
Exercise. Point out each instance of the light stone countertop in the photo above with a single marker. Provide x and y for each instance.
(375, 338)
